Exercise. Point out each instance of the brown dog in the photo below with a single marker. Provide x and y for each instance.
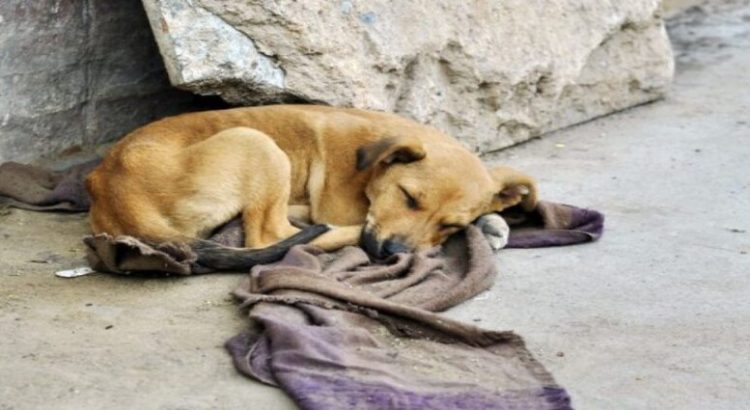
(381, 179)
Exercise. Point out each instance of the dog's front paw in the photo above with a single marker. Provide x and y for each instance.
(495, 230)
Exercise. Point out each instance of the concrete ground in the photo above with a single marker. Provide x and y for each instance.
(655, 315)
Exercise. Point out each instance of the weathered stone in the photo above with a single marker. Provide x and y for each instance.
(77, 72)
(492, 73)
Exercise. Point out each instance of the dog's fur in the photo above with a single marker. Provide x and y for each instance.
(392, 183)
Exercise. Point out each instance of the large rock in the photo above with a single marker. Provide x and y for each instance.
(492, 73)
(76, 72)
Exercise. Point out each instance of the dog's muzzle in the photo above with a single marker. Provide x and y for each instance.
(380, 250)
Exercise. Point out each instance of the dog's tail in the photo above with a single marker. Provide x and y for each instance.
(220, 257)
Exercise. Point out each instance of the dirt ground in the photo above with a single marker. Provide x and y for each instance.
(655, 315)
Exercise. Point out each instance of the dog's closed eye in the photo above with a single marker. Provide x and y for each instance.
(411, 202)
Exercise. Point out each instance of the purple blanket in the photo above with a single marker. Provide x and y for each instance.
(336, 331)
(339, 331)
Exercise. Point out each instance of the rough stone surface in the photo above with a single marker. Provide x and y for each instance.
(492, 73)
(77, 72)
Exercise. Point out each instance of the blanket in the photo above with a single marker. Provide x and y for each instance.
(341, 331)
(336, 331)
(38, 189)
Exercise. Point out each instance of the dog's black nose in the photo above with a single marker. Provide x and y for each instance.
(370, 243)
(391, 247)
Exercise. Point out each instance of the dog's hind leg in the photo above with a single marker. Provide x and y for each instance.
(243, 170)
(266, 222)
(237, 171)
(265, 215)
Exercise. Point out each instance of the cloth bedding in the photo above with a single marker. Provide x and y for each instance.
(341, 331)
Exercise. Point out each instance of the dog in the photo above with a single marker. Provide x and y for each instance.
(361, 177)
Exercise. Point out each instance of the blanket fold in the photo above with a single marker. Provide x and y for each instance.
(340, 331)
(334, 341)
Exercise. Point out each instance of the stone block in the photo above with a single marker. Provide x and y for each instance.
(489, 72)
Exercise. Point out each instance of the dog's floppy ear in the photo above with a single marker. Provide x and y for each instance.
(389, 150)
(513, 188)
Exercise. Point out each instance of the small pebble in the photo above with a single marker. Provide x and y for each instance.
(560, 354)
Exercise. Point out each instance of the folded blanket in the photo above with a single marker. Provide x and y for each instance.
(340, 331)
(336, 331)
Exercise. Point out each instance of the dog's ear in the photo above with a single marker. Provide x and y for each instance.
(389, 150)
(513, 188)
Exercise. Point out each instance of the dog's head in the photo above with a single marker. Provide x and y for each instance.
(421, 194)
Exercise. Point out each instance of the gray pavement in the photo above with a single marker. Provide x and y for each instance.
(655, 315)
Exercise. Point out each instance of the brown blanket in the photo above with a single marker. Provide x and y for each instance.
(38, 189)
(336, 331)
(339, 331)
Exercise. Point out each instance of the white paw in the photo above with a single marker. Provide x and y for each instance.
(496, 231)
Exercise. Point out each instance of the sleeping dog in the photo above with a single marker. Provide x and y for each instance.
(362, 177)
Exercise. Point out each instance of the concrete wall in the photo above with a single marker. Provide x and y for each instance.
(78, 72)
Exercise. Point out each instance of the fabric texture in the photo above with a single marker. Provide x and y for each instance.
(337, 331)
(341, 331)
(38, 189)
